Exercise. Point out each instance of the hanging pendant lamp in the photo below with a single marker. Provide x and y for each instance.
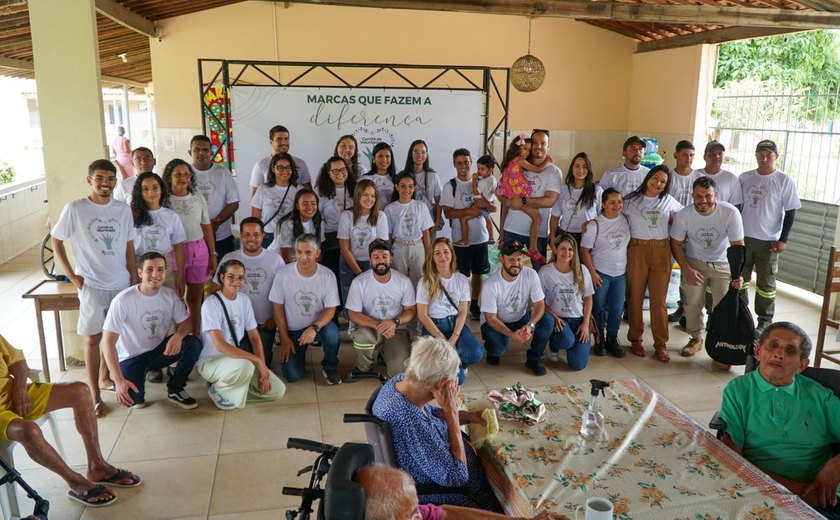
(527, 73)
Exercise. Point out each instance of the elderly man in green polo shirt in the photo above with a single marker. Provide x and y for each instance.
(785, 423)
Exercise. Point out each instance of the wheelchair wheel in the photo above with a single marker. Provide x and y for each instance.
(47, 258)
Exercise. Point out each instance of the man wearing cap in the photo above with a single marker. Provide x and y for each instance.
(728, 187)
(707, 228)
(505, 314)
(380, 303)
(769, 209)
(629, 175)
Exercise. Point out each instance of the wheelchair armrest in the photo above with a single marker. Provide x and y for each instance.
(718, 424)
(430, 488)
(362, 418)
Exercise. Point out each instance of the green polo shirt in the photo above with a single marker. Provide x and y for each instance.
(786, 430)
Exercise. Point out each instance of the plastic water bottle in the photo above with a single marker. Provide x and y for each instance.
(592, 422)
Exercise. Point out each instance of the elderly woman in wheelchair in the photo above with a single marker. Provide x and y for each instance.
(428, 442)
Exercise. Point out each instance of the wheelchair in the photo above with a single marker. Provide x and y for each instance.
(11, 477)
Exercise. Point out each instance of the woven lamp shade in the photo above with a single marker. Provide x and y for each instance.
(527, 73)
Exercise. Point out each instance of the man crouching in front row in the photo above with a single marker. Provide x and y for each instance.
(22, 402)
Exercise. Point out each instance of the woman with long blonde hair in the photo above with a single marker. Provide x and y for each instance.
(443, 301)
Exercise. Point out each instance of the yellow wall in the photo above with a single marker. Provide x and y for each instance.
(591, 74)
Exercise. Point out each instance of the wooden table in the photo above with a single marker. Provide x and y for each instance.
(52, 295)
(653, 462)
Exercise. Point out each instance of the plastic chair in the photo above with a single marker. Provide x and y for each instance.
(8, 497)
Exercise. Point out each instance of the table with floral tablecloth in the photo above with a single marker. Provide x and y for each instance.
(653, 461)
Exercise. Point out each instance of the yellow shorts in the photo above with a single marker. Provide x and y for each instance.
(39, 394)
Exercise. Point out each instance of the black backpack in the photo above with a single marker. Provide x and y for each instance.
(730, 332)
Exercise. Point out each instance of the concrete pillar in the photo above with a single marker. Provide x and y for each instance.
(66, 52)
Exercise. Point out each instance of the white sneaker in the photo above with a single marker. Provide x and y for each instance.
(220, 402)
(553, 356)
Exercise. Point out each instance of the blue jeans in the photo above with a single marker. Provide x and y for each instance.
(577, 352)
(346, 275)
(497, 343)
(469, 349)
(267, 337)
(134, 368)
(330, 338)
(610, 298)
(542, 243)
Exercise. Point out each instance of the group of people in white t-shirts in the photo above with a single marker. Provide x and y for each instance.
(360, 243)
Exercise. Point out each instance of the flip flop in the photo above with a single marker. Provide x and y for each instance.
(98, 409)
(86, 498)
(121, 474)
(112, 388)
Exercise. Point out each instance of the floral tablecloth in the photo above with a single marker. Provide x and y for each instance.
(653, 462)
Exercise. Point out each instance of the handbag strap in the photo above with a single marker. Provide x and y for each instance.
(445, 293)
(227, 318)
(280, 206)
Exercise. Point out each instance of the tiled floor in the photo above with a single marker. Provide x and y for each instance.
(209, 464)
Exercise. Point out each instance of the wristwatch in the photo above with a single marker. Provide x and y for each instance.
(397, 322)
(524, 201)
(316, 328)
(533, 326)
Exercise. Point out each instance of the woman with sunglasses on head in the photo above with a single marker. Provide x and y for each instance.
(427, 183)
(235, 369)
(650, 211)
(200, 245)
(304, 218)
(578, 201)
(410, 225)
(603, 250)
(334, 186)
(568, 299)
(382, 172)
(273, 199)
(443, 302)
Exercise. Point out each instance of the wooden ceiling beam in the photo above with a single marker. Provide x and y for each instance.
(25, 65)
(715, 36)
(126, 17)
(619, 11)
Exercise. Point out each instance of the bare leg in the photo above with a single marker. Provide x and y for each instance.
(194, 294)
(490, 231)
(477, 282)
(92, 362)
(502, 219)
(536, 219)
(465, 231)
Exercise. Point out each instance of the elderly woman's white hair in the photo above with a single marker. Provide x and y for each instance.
(432, 360)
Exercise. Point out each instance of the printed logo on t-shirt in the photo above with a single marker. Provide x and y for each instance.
(407, 223)
(708, 236)
(206, 189)
(184, 206)
(514, 301)
(572, 207)
(756, 194)
(615, 239)
(153, 323)
(254, 279)
(152, 235)
(305, 301)
(105, 233)
(382, 305)
(360, 236)
(652, 216)
(340, 204)
(537, 183)
(466, 199)
(625, 183)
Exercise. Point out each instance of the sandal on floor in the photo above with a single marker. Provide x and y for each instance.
(98, 409)
(638, 349)
(662, 355)
(121, 474)
(87, 497)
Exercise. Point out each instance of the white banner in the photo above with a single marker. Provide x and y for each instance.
(317, 117)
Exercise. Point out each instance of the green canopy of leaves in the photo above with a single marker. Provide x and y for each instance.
(806, 61)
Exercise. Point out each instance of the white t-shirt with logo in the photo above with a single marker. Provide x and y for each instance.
(259, 173)
(286, 236)
(649, 216)
(213, 318)
(623, 178)
(458, 287)
(331, 208)
(193, 212)
(142, 322)
(570, 213)
(682, 186)
(509, 300)
(380, 301)
(708, 236)
(162, 234)
(608, 239)
(260, 271)
(550, 179)
(124, 190)
(562, 295)
(304, 298)
(766, 198)
(727, 185)
(408, 221)
(218, 188)
(361, 234)
(460, 200)
(99, 235)
(384, 188)
(427, 194)
(268, 198)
